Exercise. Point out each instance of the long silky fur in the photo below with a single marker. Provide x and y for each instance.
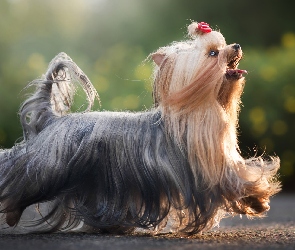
(176, 166)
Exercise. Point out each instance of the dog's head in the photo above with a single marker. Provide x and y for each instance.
(199, 71)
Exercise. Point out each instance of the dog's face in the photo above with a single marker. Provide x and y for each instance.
(198, 71)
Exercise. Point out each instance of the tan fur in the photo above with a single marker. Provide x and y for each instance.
(200, 106)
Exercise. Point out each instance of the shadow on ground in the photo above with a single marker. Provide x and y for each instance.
(276, 231)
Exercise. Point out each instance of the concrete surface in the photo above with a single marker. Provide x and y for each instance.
(276, 231)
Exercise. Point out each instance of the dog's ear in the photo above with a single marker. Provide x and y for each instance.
(158, 57)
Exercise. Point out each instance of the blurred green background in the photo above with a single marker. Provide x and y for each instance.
(110, 39)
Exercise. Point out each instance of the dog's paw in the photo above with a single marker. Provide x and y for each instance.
(12, 218)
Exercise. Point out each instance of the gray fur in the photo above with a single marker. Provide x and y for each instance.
(111, 170)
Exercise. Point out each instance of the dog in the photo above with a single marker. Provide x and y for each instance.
(174, 168)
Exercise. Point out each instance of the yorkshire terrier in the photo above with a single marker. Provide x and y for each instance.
(174, 168)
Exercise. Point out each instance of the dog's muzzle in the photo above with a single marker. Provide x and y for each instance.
(232, 71)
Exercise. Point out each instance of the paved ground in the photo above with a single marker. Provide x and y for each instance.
(277, 231)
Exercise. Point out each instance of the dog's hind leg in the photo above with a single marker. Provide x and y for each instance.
(13, 217)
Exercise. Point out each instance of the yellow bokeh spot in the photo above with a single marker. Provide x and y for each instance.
(101, 84)
(279, 127)
(268, 73)
(290, 104)
(257, 115)
(131, 102)
(288, 40)
(143, 72)
(259, 124)
(117, 103)
(36, 62)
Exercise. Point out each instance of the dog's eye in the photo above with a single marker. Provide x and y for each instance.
(213, 53)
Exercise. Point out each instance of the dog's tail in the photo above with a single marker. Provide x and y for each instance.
(54, 95)
(52, 100)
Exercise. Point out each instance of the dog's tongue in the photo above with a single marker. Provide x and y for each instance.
(236, 71)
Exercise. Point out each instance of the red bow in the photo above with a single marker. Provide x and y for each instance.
(204, 27)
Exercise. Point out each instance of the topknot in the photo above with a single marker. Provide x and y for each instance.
(195, 29)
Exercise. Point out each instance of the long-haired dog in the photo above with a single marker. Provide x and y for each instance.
(176, 167)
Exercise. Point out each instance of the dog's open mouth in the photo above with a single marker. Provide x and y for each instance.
(232, 70)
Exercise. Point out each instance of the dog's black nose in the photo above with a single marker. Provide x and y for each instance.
(237, 46)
